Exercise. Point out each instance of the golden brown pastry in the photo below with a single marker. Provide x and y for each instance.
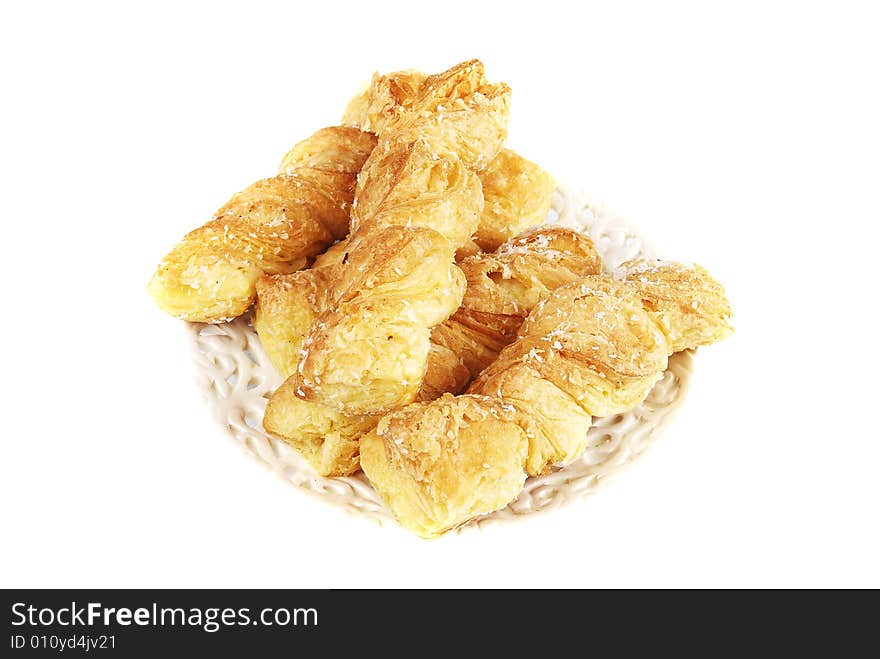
(372, 109)
(689, 304)
(417, 199)
(517, 192)
(410, 185)
(505, 287)
(444, 373)
(502, 288)
(457, 112)
(273, 226)
(517, 195)
(286, 307)
(440, 464)
(467, 249)
(367, 351)
(589, 349)
(564, 359)
(289, 306)
(328, 439)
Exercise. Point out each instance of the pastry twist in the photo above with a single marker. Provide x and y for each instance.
(517, 196)
(272, 226)
(684, 299)
(502, 289)
(591, 348)
(517, 192)
(417, 200)
(289, 306)
(384, 98)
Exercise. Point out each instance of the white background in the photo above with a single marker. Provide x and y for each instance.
(745, 138)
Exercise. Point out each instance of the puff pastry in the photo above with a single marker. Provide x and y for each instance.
(591, 348)
(502, 289)
(410, 185)
(686, 301)
(403, 265)
(273, 226)
(429, 277)
(517, 192)
(382, 100)
(517, 195)
(417, 199)
(328, 439)
(458, 113)
(440, 464)
(287, 305)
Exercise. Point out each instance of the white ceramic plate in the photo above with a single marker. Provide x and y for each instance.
(237, 379)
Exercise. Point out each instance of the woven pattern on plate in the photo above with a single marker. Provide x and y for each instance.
(237, 379)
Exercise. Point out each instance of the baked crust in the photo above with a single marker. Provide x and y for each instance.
(502, 288)
(418, 288)
(589, 349)
(458, 113)
(594, 347)
(579, 349)
(518, 193)
(517, 196)
(382, 100)
(327, 439)
(410, 185)
(440, 464)
(287, 305)
(417, 200)
(688, 303)
(367, 351)
(273, 226)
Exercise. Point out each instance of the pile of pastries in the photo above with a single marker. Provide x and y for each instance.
(431, 331)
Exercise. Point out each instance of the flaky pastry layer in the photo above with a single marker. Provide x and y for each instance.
(502, 289)
(368, 352)
(594, 347)
(273, 226)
